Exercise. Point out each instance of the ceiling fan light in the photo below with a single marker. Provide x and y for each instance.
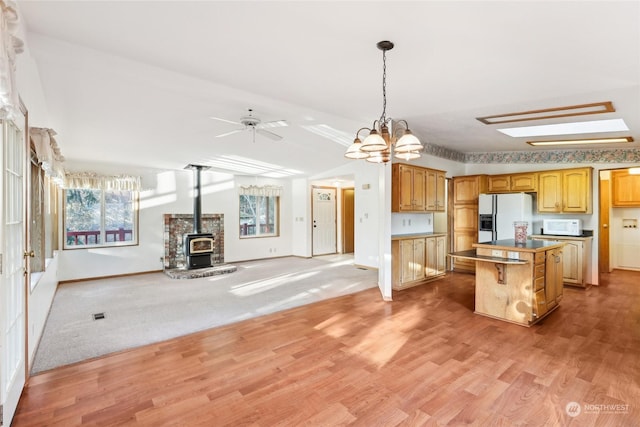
(373, 142)
(408, 142)
(408, 155)
(354, 151)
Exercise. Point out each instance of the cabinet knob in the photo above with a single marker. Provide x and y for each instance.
(605, 225)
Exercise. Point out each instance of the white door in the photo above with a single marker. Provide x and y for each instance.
(324, 221)
(12, 283)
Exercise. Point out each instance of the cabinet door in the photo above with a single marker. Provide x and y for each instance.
(467, 188)
(462, 241)
(419, 183)
(441, 254)
(441, 181)
(554, 288)
(431, 264)
(499, 184)
(406, 264)
(625, 189)
(405, 187)
(419, 259)
(466, 218)
(524, 182)
(550, 192)
(576, 191)
(572, 256)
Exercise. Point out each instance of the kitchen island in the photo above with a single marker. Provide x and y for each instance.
(516, 282)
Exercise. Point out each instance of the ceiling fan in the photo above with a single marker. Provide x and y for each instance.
(255, 125)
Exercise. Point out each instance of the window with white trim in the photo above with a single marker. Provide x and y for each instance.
(259, 212)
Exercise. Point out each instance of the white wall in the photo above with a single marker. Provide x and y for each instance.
(40, 299)
(171, 192)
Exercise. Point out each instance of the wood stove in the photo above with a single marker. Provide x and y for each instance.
(197, 246)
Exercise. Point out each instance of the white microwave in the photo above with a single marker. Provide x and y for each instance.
(562, 227)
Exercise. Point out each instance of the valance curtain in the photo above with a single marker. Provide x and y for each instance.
(48, 153)
(10, 45)
(93, 181)
(265, 191)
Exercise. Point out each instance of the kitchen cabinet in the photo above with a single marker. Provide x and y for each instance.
(407, 188)
(466, 190)
(434, 196)
(565, 191)
(435, 256)
(625, 189)
(513, 183)
(576, 256)
(520, 284)
(417, 189)
(417, 260)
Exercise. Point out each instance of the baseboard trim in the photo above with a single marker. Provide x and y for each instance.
(62, 282)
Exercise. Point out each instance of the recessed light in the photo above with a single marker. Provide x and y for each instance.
(582, 141)
(594, 126)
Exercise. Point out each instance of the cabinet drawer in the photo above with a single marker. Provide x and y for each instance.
(539, 258)
(538, 283)
(539, 303)
(539, 270)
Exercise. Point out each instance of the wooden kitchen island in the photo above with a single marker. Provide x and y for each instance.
(518, 283)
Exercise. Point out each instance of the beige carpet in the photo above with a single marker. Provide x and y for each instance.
(148, 308)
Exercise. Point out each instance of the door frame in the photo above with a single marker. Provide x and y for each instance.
(347, 217)
(336, 211)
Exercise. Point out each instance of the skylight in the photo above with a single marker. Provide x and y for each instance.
(575, 128)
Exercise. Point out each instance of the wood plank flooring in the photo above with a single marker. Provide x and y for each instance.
(423, 359)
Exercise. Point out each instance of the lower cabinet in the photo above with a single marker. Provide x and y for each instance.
(417, 260)
(576, 258)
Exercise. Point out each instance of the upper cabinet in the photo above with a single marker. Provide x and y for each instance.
(565, 191)
(625, 189)
(416, 189)
(513, 183)
(466, 189)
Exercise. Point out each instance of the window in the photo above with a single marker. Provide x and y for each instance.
(100, 218)
(259, 216)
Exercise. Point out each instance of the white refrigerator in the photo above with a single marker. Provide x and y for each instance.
(497, 213)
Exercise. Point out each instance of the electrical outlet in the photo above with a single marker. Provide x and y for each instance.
(496, 253)
(514, 255)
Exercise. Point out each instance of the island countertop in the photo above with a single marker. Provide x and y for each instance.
(511, 245)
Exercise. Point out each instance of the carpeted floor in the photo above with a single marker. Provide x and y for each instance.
(152, 307)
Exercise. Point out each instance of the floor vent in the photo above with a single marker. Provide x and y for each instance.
(98, 316)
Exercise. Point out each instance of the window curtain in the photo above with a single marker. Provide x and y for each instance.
(10, 45)
(94, 181)
(265, 191)
(48, 153)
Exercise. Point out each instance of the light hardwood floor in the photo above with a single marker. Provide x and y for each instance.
(423, 359)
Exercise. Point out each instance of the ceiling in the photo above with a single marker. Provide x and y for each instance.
(135, 83)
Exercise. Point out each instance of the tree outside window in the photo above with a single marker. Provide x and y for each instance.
(259, 216)
(100, 218)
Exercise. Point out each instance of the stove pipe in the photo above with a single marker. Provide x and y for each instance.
(197, 197)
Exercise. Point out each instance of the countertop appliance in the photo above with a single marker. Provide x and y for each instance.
(497, 213)
(562, 227)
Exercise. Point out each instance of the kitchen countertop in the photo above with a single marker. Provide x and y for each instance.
(510, 245)
(416, 235)
(553, 236)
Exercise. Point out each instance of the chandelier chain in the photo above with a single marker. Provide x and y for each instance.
(383, 117)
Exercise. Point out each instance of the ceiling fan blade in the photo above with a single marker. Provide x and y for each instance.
(273, 124)
(269, 135)
(225, 120)
(229, 133)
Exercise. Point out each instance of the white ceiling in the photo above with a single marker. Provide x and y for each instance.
(135, 83)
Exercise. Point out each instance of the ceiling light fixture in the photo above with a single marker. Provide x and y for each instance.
(376, 147)
(583, 141)
(549, 113)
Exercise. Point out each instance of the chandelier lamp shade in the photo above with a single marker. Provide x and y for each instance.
(380, 142)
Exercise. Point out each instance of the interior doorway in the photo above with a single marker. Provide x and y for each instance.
(324, 225)
(347, 220)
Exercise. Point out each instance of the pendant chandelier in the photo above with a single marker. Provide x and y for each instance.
(377, 146)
